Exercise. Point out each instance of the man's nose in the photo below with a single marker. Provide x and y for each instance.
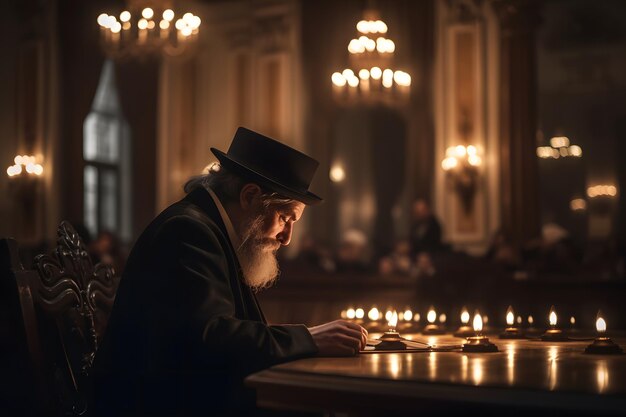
(284, 237)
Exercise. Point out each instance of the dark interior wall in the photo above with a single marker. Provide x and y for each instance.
(81, 60)
(9, 30)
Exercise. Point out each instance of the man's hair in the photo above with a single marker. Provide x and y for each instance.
(227, 186)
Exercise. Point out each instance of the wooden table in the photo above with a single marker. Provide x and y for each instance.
(525, 374)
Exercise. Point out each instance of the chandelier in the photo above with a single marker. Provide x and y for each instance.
(148, 28)
(371, 76)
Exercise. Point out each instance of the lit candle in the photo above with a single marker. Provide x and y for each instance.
(511, 332)
(478, 342)
(554, 334)
(603, 344)
(432, 327)
(464, 330)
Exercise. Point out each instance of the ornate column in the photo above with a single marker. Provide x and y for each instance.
(518, 90)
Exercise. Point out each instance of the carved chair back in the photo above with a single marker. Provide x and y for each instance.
(64, 304)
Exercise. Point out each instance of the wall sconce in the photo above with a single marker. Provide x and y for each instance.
(24, 165)
(559, 148)
(461, 165)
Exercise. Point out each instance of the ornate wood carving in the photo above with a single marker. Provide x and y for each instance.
(75, 291)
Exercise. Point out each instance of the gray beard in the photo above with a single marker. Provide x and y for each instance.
(257, 256)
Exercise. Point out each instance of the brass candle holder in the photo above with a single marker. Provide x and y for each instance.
(603, 345)
(511, 332)
(391, 339)
(553, 333)
(479, 343)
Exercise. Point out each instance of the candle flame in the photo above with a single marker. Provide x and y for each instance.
(572, 320)
(552, 317)
(393, 320)
(388, 315)
(373, 314)
(465, 317)
(600, 325)
(478, 323)
(351, 313)
(408, 315)
(432, 315)
(442, 318)
(510, 316)
(531, 320)
(359, 313)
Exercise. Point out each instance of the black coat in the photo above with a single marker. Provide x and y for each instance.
(185, 330)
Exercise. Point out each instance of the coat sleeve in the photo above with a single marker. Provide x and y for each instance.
(197, 279)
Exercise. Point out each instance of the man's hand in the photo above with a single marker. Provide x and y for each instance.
(339, 338)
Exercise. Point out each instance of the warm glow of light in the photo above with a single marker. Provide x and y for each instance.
(531, 320)
(337, 174)
(351, 313)
(460, 151)
(474, 160)
(578, 204)
(168, 15)
(431, 316)
(338, 79)
(180, 25)
(103, 19)
(600, 325)
(416, 317)
(387, 78)
(442, 318)
(164, 24)
(125, 16)
(142, 24)
(559, 142)
(30, 168)
(575, 150)
(393, 320)
(356, 47)
(362, 26)
(408, 315)
(402, 78)
(478, 323)
(485, 319)
(552, 317)
(373, 314)
(353, 82)
(359, 313)
(471, 150)
(388, 315)
(510, 316)
(188, 18)
(572, 320)
(465, 316)
(347, 73)
(449, 163)
(116, 27)
(147, 13)
(376, 73)
(519, 319)
(364, 74)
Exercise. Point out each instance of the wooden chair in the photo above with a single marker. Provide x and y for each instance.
(63, 304)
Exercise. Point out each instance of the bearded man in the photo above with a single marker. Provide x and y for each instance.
(186, 327)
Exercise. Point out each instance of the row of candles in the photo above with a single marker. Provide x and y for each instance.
(476, 342)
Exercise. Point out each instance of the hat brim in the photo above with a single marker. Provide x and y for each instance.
(307, 198)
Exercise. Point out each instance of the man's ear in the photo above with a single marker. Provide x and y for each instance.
(249, 196)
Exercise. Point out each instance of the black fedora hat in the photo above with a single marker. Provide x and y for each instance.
(270, 164)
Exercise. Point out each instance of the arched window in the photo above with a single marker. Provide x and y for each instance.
(106, 154)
